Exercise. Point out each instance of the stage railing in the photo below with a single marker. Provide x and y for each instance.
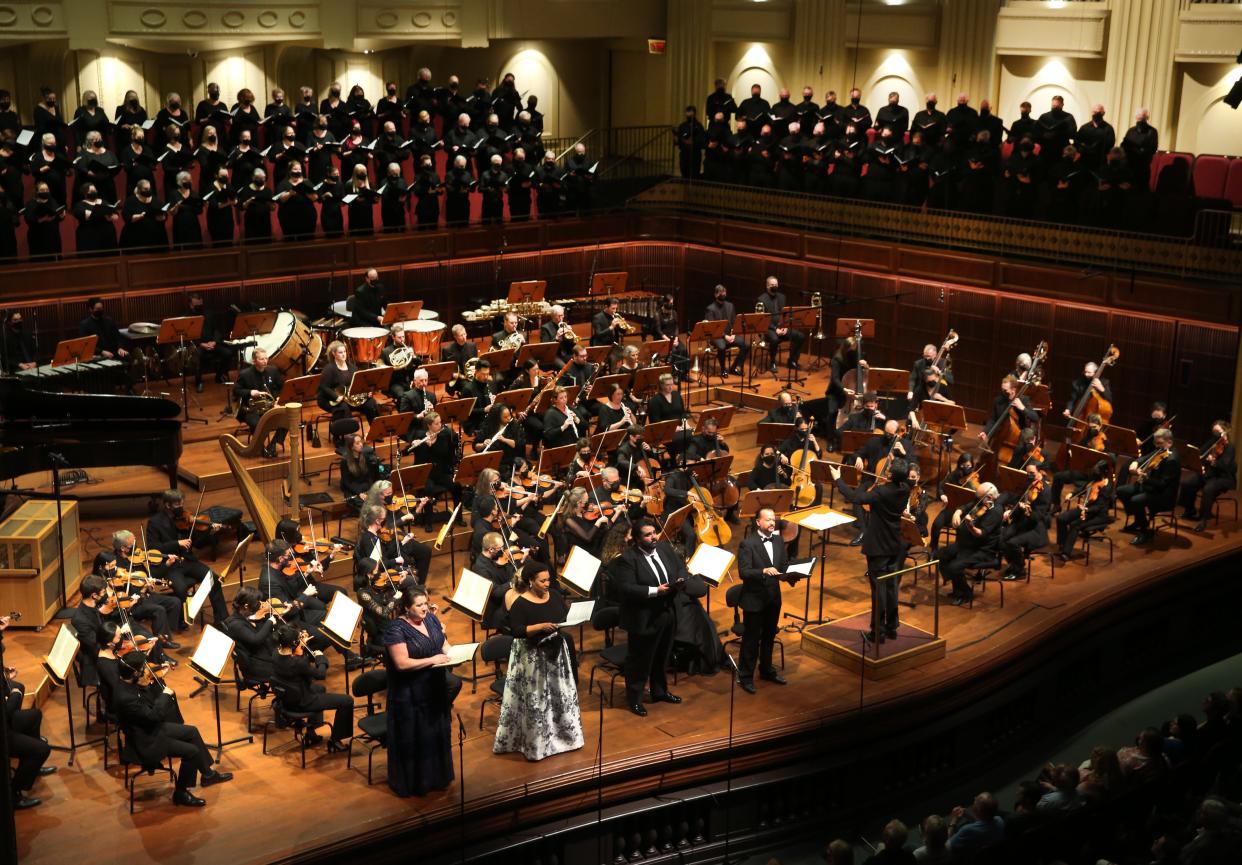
(1216, 258)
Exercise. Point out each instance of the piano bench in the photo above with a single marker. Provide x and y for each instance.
(332, 510)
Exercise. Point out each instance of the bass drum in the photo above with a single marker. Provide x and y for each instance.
(286, 344)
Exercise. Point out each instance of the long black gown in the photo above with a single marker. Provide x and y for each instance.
(420, 753)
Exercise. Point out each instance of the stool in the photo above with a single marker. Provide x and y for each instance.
(1231, 498)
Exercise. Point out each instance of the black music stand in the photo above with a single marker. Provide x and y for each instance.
(751, 325)
(501, 359)
(773, 433)
(455, 411)
(723, 415)
(183, 331)
(391, 427)
(439, 373)
(653, 349)
(943, 420)
(706, 332)
(544, 352)
(602, 386)
(472, 465)
(802, 318)
(674, 521)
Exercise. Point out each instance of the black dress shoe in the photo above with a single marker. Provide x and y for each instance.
(747, 686)
(858, 539)
(335, 747)
(774, 677)
(960, 600)
(167, 643)
(214, 777)
(873, 637)
(188, 799)
(21, 803)
(269, 451)
(198, 386)
(1140, 538)
(794, 365)
(222, 378)
(890, 633)
(772, 369)
(1201, 525)
(665, 698)
(638, 709)
(1011, 575)
(47, 770)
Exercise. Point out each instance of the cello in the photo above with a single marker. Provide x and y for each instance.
(860, 378)
(1092, 401)
(1005, 433)
(799, 477)
(709, 526)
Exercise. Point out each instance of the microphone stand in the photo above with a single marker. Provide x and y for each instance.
(599, 784)
(461, 771)
(733, 680)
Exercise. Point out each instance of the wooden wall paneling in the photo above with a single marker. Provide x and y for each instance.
(317, 292)
(919, 319)
(701, 269)
(1078, 334)
(155, 305)
(1145, 368)
(1072, 285)
(652, 266)
(792, 276)
(472, 283)
(517, 268)
(1155, 295)
(48, 321)
(740, 273)
(693, 230)
(949, 266)
(865, 290)
(481, 240)
(34, 282)
(1202, 370)
(564, 271)
(985, 352)
(765, 240)
(150, 271)
(282, 260)
(268, 293)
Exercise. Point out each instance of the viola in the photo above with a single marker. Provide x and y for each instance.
(146, 557)
(187, 522)
(604, 508)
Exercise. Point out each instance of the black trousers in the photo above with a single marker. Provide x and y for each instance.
(884, 593)
(740, 343)
(251, 419)
(795, 338)
(942, 523)
(185, 577)
(216, 360)
(31, 753)
(647, 659)
(1071, 525)
(759, 629)
(342, 720)
(1211, 487)
(162, 611)
(956, 560)
(1015, 544)
(1141, 506)
(186, 742)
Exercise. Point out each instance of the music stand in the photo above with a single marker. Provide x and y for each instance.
(673, 523)
(1082, 459)
(1011, 481)
(654, 348)
(73, 351)
(500, 359)
(780, 500)
(517, 399)
(773, 433)
(821, 520)
(402, 310)
(660, 433)
(751, 325)
(183, 330)
(598, 353)
(607, 442)
(944, 420)
(723, 415)
(608, 283)
(439, 373)
(711, 470)
(853, 440)
(1121, 440)
(554, 461)
(845, 327)
(706, 332)
(472, 465)
(302, 391)
(544, 352)
(1039, 397)
(647, 378)
(527, 291)
(887, 379)
(386, 425)
(367, 381)
(253, 325)
(805, 319)
(413, 477)
(214, 651)
(456, 410)
(602, 386)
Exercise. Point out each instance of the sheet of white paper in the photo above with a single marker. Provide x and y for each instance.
(472, 593)
(349, 199)
(579, 613)
(60, 659)
(194, 604)
(581, 569)
(343, 616)
(801, 567)
(214, 650)
(819, 521)
(711, 563)
(459, 654)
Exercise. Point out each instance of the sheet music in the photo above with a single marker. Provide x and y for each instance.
(710, 563)
(342, 618)
(580, 570)
(60, 658)
(821, 520)
(194, 603)
(213, 652)
(802, 567)
(473, 592)
(459, 654)
(579, 613)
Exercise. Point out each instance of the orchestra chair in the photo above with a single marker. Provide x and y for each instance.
(302, 722)
(722, 357)
(981, 575)
(733, 596)
(135, 768)
(612, 656)
(1231, 497)
(372, 729)
(495, 651)
(261, 688)
(1164, 519)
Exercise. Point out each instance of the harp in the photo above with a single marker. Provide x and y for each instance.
(270, 491)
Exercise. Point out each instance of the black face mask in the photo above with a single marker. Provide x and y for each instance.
(1097, 117)
(15, 325)
(320, 127)
(769, 461)
(4, 106)
(173, 106)
(91, 103)
(96, 313)
(42, 196)
(931, 106)
(335, 94)
(1025, 115)
(854, 100)
(984, 112)
(196, 308)
(288, 136)
(392, 91)
(133, 103)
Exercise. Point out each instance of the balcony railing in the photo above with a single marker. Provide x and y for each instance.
(1214, 253)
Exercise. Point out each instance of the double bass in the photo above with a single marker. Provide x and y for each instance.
(1092, 401)
(860, 378)
(1005, 435)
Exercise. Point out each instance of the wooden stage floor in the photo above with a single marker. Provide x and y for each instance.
(273, 809)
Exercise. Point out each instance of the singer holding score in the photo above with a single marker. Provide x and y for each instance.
(761, 560)
(539, 715)
(420, 753)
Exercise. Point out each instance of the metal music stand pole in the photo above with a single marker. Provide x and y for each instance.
(461, 784)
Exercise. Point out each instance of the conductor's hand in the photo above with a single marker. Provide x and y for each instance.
(772, 572)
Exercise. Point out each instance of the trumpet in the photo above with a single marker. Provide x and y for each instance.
(619, 323)
(566, 333)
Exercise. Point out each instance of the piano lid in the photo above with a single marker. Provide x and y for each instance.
(19, 401)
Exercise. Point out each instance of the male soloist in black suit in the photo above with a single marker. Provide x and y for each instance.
(882, 543)
(645, 577)
(761, 559)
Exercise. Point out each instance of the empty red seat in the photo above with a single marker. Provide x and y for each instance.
(1233, 182)
(1210, 175)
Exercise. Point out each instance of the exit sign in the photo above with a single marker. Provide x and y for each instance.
(656, 46)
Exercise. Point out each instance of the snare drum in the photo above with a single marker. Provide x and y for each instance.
(285, 343)
(424, 337)
(365, 343)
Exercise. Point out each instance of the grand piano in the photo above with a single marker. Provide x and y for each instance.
(88, 430)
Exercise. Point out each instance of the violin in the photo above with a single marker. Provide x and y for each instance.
(514, 555)
(146, 557)
(187, 522)
(1091, 493)
(397, 503)
(596, 509)
(1213, 453)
